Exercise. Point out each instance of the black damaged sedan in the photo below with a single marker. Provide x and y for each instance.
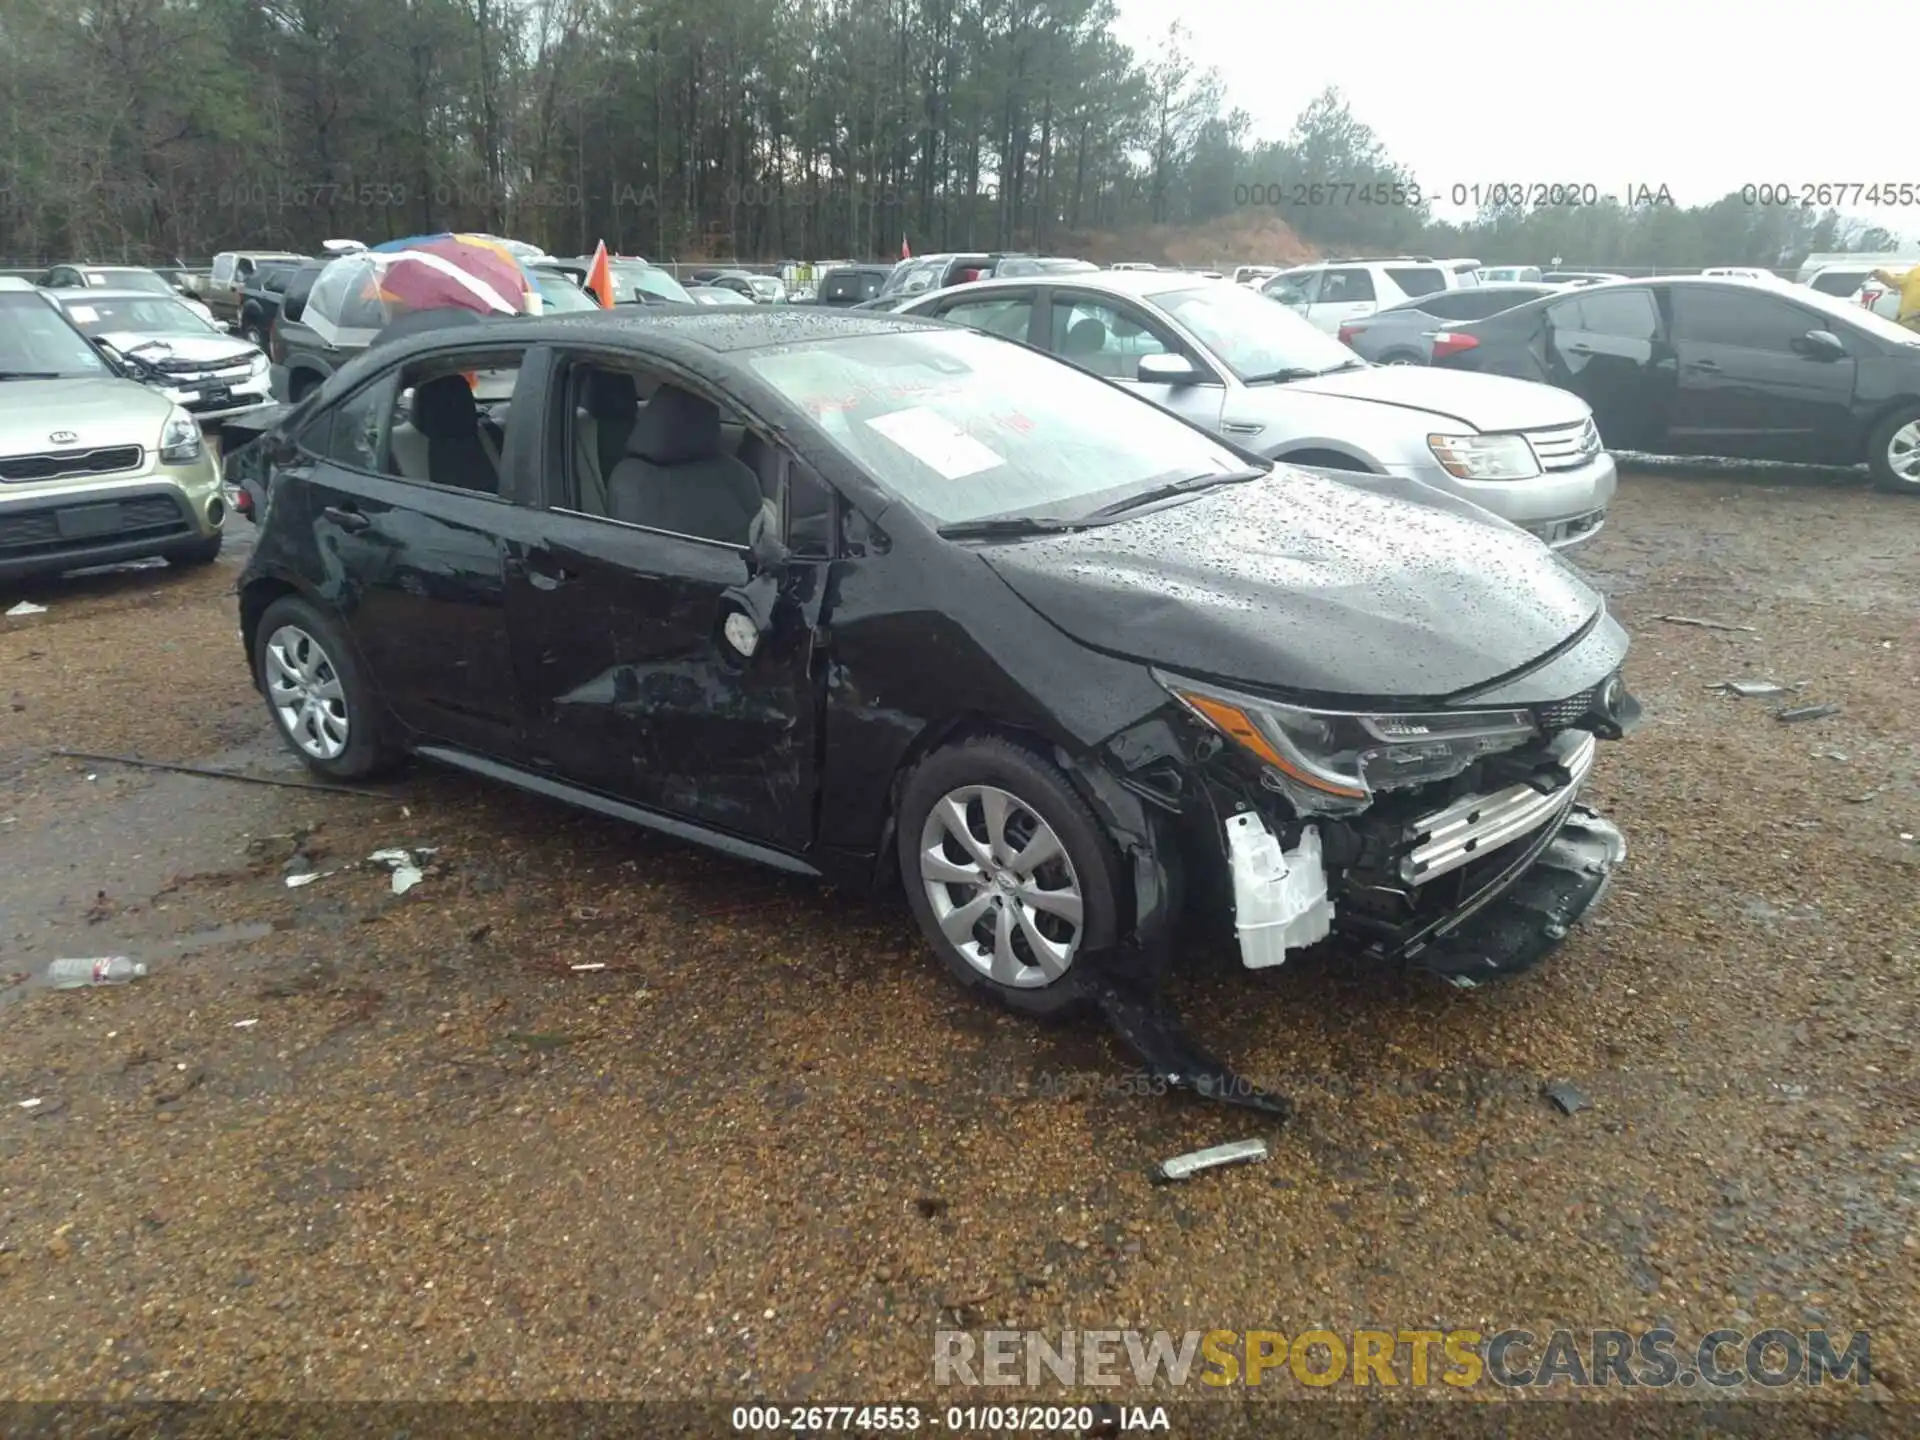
(882, 601)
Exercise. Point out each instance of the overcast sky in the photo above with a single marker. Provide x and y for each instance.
(1700, 95)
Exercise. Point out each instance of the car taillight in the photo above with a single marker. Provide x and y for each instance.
(276, 351)
(1347, 332)
(1451, 342)
(1870, 298)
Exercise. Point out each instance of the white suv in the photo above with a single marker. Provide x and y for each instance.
(1330, 293)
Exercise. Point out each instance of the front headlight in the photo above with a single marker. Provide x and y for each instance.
(1332, 761)
(257, 366)
(1485, 457)
(180, 441)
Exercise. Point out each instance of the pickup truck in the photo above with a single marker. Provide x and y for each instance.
(262, 295)
(232, 271)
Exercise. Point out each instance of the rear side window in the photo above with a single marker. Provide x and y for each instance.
(1339, 287)
(348, 433)
(298, 288)
(1628, 314)
(223, 267)
(1453, 305)
(1417, 280)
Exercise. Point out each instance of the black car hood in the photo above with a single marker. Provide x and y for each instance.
(1300, 583)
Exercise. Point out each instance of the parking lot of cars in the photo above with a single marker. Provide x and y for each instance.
(640, 770)
(348, 1141)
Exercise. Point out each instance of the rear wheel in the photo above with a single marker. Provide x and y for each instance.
(320, 701)
(1009, 874)
(1893, 452)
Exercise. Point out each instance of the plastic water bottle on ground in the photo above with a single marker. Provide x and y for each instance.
(109, 970)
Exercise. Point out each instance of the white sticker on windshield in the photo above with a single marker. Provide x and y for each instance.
(936, 442)
(94, 277)
(83, 314)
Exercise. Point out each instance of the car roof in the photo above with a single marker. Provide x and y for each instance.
(1136, 283)
(672, 327)
(14, 282)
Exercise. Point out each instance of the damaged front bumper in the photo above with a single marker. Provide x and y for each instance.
(1481, 886)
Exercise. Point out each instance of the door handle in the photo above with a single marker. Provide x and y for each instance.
(543, 574)
(346, 519)
(1702, 365)
(1580, 349)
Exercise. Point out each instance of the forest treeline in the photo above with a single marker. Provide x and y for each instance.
(762, 129)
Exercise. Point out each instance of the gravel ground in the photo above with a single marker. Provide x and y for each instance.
(346, 1144)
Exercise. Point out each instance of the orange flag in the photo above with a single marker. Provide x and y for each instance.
(600, 277)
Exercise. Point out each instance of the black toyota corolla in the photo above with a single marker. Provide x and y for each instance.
(873, 598)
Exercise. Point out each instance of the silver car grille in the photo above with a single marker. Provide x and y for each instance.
(1480, 824)
(1565, 447)
(59, 465)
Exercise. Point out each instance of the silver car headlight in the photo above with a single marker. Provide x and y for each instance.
(180, 441)
(1334, 761)
(258, 366)
(1485, 457)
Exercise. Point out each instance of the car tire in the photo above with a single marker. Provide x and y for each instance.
(196, 554)
(341, 733)
(302, 384)
(254, 333)
(1893, 452)
(990, 784)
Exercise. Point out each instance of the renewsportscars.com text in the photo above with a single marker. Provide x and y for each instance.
(1463, 1359)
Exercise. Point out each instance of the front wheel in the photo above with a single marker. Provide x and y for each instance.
(319, 699)
(1893, 452)
(1012, 879)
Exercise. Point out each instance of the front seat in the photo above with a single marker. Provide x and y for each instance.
(1085, 346)
(675, 476)
(445, 446)
(601, 431)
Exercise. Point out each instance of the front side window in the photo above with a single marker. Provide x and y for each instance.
(962, 426)
(646, 450)
(1102, 338)
(1343, 287)
(1728, 317)
(1254, 338)
(1295, 290)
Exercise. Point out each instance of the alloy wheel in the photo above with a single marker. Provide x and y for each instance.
(1903, 452)
(305, 691)
(1002, 887)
